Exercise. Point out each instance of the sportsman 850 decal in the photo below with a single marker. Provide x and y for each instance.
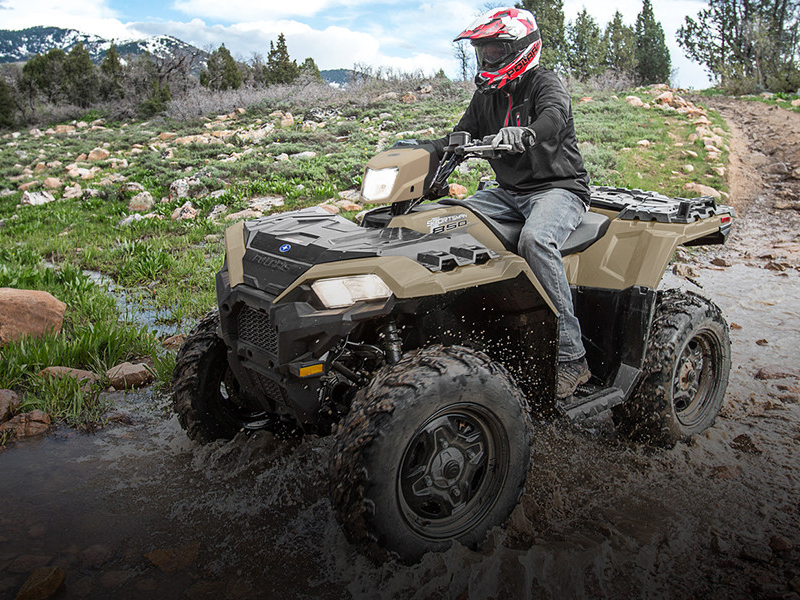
(448, 223)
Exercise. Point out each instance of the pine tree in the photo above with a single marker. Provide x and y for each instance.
(280, 68)
(309, 71)
(8, 109)
(549, 16)
(221, 71)
(112, 75)
(587, 49)
(653, 63)
(81, 81)
(44, 75)
(620, 42)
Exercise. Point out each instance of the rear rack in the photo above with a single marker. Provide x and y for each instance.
(652, 206)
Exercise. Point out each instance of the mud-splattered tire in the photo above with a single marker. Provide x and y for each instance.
(685, 372)
(204, 392)
(435, 449)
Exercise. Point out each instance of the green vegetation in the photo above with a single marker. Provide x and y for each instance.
(167, 267)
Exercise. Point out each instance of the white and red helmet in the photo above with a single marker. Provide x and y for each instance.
(507, 44)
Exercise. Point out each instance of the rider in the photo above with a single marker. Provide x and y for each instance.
(542, 181)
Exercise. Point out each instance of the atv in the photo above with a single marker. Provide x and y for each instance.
(423, 342)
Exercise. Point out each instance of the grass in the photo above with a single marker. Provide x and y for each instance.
(169, 266)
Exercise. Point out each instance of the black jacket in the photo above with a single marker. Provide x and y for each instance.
(540, 102)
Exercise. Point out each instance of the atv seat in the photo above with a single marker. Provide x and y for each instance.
(591, 229)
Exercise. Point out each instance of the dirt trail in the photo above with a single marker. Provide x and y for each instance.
(138, 511)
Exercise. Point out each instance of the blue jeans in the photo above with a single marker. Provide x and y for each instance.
(550, 216)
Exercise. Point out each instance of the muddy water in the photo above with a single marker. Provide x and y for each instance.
(138, 511)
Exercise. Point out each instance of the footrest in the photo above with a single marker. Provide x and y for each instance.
(580, 408)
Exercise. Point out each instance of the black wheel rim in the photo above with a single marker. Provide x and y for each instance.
(233, 403)
(452, 471)
(695, 384)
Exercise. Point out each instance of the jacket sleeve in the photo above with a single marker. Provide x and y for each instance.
(553, 103)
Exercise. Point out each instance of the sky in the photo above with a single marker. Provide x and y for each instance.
(404, 35)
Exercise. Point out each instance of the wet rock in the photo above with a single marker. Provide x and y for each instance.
(142, 202)
(9, 403)
(82, 587)
(28, 312)
(98, 154)
(762, 342)
(458, 191)
(85, 377)
(127, 375)
(184, 212)
(170, 560)
(756, 552)
(174, 342)
(774, 372)
(42, 584)
(28, 424)
(95, 556)
(36, 198)
(780, 544)
(744, 442)
(722, 262)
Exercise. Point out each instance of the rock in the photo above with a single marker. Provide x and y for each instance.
(665, 98)
(175, 342)
(265, 203)
(127, 375)
(247, 213)
(702, 190)
(684, 270)
(170, 560)
(189, 187)
(347, 206)
(778, 168)
(95, 556)
(217, 212)
(744, 442)
(585, 99)
(283, 157)
(142, 202)
(79, 375)
(116, 579)
(165, 136)
(774, 372)
(385, 97)
(762, 342)
(409, 98)
(132, 186)
(42, 584)
(130, 219)
(184, 212)
(28, 312)
(36, 198)
(780, 544)
(304, 155)
(28, 424)
(458, 191)
(634, 101)
(287, 120)
(9, 403)
(72, 192)
(721, 262)
(688, 168)
(644, 143)
(756, 552)
(53, 183)
(331, 208)
(725, 472)
(98, 154)
(64, 129)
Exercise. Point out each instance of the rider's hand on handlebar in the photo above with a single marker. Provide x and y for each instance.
(519, 138)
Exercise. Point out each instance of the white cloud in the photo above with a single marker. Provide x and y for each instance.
(88, 16)
(230, 10)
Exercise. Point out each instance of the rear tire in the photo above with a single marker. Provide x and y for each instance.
(685, 374)
(205, 394)
(434, 450)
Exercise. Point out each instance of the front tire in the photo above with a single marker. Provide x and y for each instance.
(205, 394)
(434, 450)
(685, 374)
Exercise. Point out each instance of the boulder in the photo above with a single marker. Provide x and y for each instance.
(634, 101)
(28, 312)
(702, 190)
(127, 375)
(87, 378)
(98, 154)
(141, 202)
(9, 403)
(409, 98)
(72, 192)
(458, 191)
(36, 198)
(287, 120)
(27, 424)
(247, 213)
(42, 584)
(184, 212)
(189, 187)
(304, 155)
(217, 212)
(53, 183)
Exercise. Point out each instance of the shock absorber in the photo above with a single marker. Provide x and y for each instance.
(391, 343)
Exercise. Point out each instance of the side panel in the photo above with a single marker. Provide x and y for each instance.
(454, 217)
(633, 253)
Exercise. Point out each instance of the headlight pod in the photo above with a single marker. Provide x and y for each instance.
(378, 183)
(339, 292)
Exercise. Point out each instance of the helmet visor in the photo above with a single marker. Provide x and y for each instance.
(493, 54)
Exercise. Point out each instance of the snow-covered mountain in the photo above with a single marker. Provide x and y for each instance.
(19, 46)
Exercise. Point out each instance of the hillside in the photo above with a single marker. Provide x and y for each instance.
(21, 45)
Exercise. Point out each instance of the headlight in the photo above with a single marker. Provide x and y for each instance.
(378, 184)
(339, 292)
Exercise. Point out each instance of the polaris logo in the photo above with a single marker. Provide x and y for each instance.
(285, 248)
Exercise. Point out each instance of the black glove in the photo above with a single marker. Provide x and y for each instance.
(519, 138)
